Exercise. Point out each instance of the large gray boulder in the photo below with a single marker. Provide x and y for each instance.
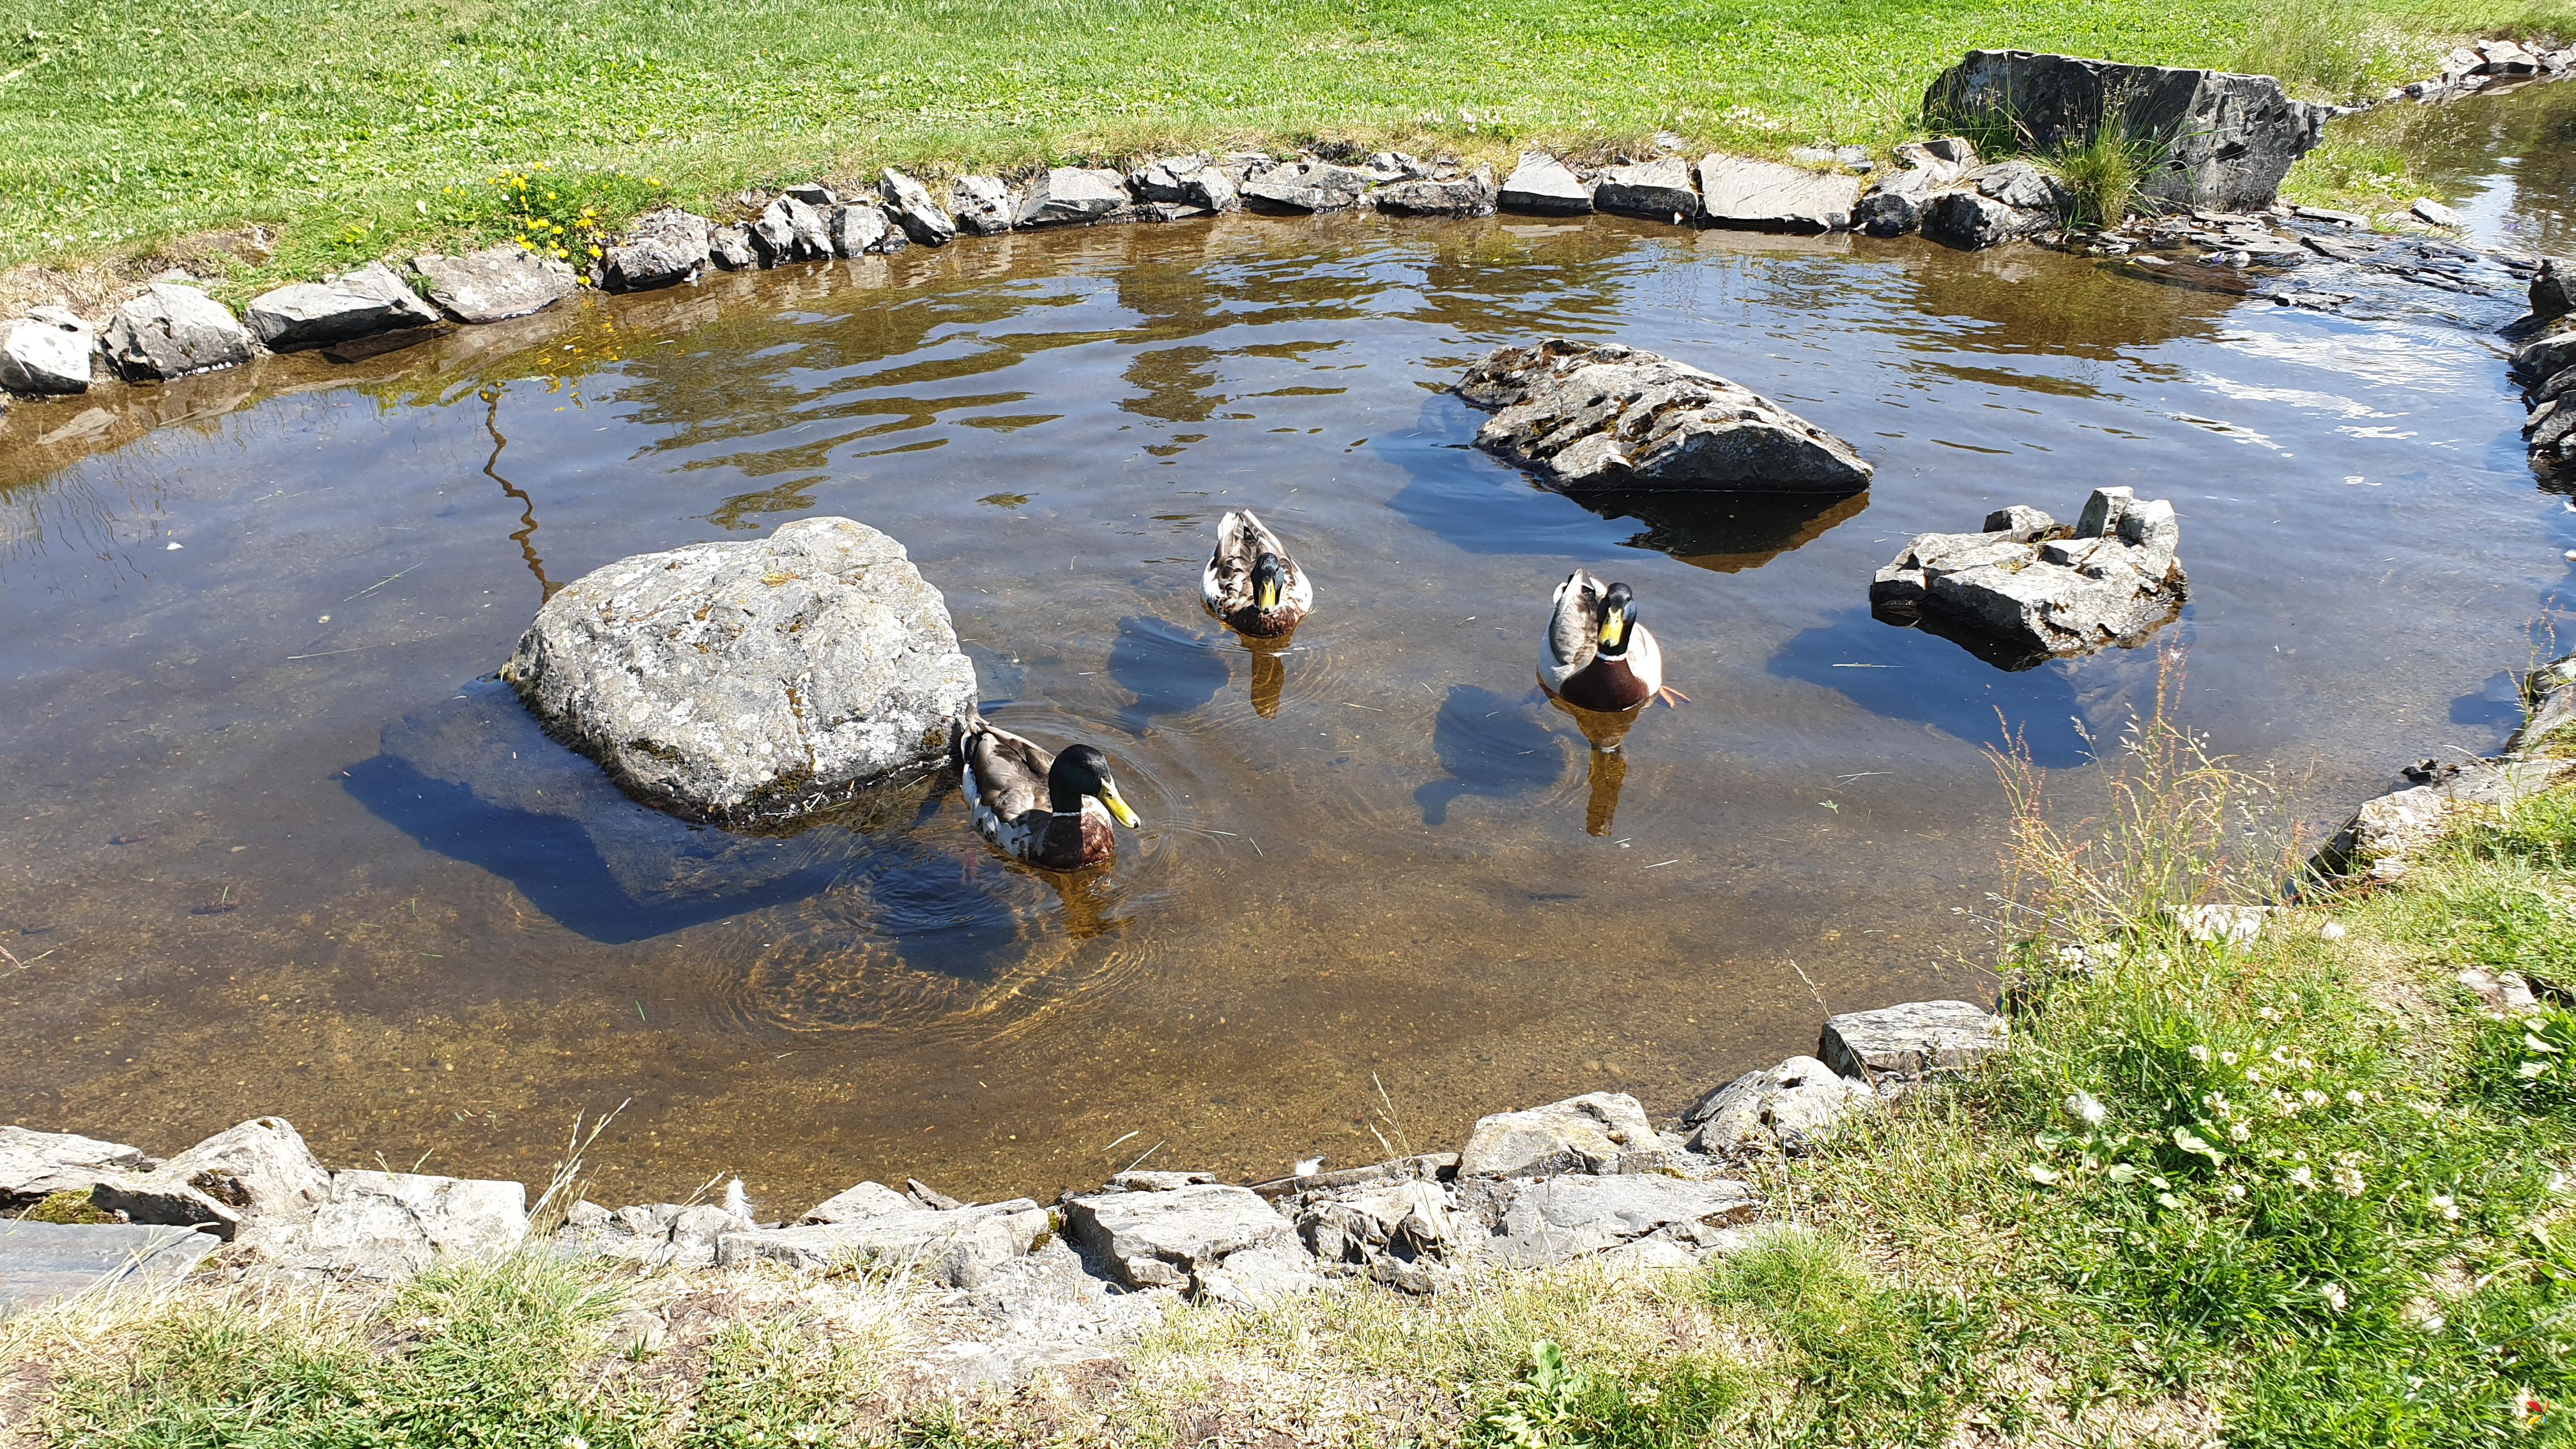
(791, 229)
(2028, 588)
(752, 681)
(1456, 196)
(46, 353)
(1771, 196)
(391, 1226)
(1792, 1107)
(356, 304)
(662, 249)
(861, 229)
(1541, 186)
(960, 1247)
(36, 1165)
(1599, 1132)
(1071, 195)
(1303, 188)
(921, 218)
(982, 205)
(2219, 140)
(1187, 181)
(1538, 1224)
(254, 1183)
(1912, 1041)
(1591, 415)
(172, 331)
(495, 284)
(1658, 190)
(1204, 1239)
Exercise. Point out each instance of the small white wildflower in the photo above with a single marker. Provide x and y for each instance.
(2253, 1074)
(2333, 1294)
(2236, 1190)
(2347, 1175)
(2301, 1177)
(2238, 1132)
(2085, 1108)
(2312, 1097)
(2352, 1096)
(2199, 1053)
(2428, 1109)
(2227, 1058)
(2443, 1204)
(2330, 931)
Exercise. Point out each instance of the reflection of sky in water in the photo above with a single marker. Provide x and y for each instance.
(1370, 854)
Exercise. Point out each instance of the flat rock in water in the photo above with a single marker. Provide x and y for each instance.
(2225, 140)
(1599, 1132)
(2027, 589)
(1538, 1224)
(1184, 1237)
(1586, 415)
(495, 284)
(257, 1181)
(1541, 186)
(42, 1263)
(920, 217)
(48, 352)
(172, 331)
(1470, 195)
(2427, 210)
(751, 681)
(1068, 195)
(1903, 1043)
(1658, 190)
(982, 205)
(1770, 196)
(1306, 187)
(662, 249)
(316, 314)
(1792, 1107)
(391, 1226)
(962, 1248)
(36, 1165)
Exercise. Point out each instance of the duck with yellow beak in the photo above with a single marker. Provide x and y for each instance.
(1052, 811)
(1596, 655)
(1250, 581)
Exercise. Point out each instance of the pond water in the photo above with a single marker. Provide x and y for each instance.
(281, 846)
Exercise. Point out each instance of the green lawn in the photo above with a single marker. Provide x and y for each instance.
(355, 128)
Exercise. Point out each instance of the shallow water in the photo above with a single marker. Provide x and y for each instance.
(284, 848)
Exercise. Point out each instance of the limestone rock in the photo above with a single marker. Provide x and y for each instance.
(35, 1165)
(1537, 1224)
(172, 331)
(2222, 924)
(1792, 1107)
(47, 353)
(1659, 190)
(662, 249)
(1906, 1042)
(1179, 1237)
(1388, 1229)
(982, 205)
(1541, 186)
(2549, 720)
(867, 1200)
(659, 1235)
(495, 284)
(853, 231)
(1039, 1313)
(1770, 196)
(44, 1263)
(794, 230)
(392, 1226)
(961, 1249)
(751, 681)
(1599, 1132)
(1470, 195)
(1188, 181)
(920, 217)
(729, 247)
(1306, 187)
(257, 1181)
(316, 314)
(2020, 594)
(1585, 415)
(2225, 140)
(1069, 195)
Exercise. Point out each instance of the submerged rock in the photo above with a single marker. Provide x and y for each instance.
(316, 314)
(1586, 415)
(2216, 139)
(751, 681)
(2028, 588)
(1915, 1040)
(662, 249)
(1599, 1132)
(1470, 195)
(1541, 186)
(49, 352)
(1792, 1107)
(495, 284)
(1770, 196)
(172, 331)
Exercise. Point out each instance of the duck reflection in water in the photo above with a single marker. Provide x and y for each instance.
(1269, 673)
(1607, 730)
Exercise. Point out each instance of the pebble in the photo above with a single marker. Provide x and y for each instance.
(2330, 931)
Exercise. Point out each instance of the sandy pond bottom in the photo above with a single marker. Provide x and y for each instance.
(278, 847)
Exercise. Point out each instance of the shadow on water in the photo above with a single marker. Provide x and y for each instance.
(1490, 745)
(1910, 675)
(1167, 669)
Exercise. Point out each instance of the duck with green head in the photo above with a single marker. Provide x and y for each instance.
(1051, 811)
(1250, 581)
(1595, 655)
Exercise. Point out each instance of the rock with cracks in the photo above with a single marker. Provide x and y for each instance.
(2028, 588)
(1658, 190)
(172, 331)
(1790, 1108)
(1909, 1042)
(663, 249)
(1069, 195)
(1537, 1224)
(495, 284)
(2210, 138)
(1306, 187)
(747, 682)
(1460, 196)
(392, 1226)
(982, 205)
(1993, 204)
(1599, 1132)
(1585, 415)
(1188, 181)
(36, 1165)
(657, 1235)
(1770, 196)
(1541, 186)
(1205, 1239)
(791, 229)
(316, 314)
(48, 352)
(961, 1247)
(921, 218)
(255, 1183)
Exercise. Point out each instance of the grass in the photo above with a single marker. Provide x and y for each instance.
(347, 129)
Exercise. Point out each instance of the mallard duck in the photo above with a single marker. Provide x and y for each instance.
(1051, 811)
(1251, 582)
(1595, 654)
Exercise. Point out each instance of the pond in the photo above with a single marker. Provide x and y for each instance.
(283, 847)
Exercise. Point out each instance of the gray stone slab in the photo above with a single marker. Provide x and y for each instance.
(43, 1263)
